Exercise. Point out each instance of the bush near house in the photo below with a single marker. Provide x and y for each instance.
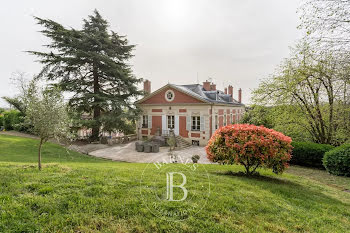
(251, 146)
(337, 161)
(309, 154)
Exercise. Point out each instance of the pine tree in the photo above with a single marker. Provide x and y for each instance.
(92, 63)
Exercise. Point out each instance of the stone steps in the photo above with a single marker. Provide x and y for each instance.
(182, 143)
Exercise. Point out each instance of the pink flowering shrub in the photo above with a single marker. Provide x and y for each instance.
(251, 146)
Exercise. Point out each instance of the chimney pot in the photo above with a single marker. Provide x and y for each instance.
(230, 90)
(213, 87)
(225, 90)
(206, 85)
(240, 95)
(147, 87)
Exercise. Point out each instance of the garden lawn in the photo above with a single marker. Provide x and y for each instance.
(78, 193)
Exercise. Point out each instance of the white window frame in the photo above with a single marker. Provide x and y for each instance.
(170, 121)
(145, 121)
(195, 123)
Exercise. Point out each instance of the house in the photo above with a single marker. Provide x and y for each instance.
(192, 111)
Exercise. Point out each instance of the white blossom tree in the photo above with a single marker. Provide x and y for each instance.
(47, 112)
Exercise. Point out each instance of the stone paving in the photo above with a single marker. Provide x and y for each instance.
(127, 153)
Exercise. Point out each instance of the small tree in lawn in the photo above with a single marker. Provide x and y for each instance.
(251, 146)
(47, 112)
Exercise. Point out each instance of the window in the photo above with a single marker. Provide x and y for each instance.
(195, 142)
(225, 120)
(231, 118)
(144, 121)
(216, 121)
(169, 95)
(196, 123)
(171, 122)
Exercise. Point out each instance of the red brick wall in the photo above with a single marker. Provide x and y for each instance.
(221, 111)
(144, 131)
(182, 110)
(195, 135)
(157, 110)
(180, 97)
(156, 123)
(182, 127)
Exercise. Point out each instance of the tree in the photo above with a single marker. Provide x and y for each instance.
(313, 83)
(92, 64)
(327, 22)
(259, 115)
(20, 81)
(47, 112)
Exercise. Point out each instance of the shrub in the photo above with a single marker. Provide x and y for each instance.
(337, 161)
(251, 146)
(1, 120)
(309, 154)
(11, 118)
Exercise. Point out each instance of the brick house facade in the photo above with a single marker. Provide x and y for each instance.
(193, 111)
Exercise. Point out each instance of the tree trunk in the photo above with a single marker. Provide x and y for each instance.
(39, 154)
(97, 110)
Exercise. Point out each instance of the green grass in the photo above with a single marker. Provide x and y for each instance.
(78, 193)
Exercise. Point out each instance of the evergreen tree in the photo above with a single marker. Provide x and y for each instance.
(92, 63)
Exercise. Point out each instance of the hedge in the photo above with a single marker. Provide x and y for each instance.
(309, 154)
(1, 120)
(11, 119)
(337, 161)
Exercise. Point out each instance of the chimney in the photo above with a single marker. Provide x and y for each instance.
(213, 87)
(230, 90)
(147, 87)
(240, 95)
(225, 90)
(206, 85)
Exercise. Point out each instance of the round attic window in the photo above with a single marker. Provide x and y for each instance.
(169, 95)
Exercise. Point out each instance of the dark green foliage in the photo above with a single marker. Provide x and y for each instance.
(309, 154)
(92, 63)
(337, 161)
(1, 120)
(259, 115)
(12, 118)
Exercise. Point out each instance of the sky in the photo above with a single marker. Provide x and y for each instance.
(177, 41)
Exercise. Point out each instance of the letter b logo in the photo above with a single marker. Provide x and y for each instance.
(170, 186)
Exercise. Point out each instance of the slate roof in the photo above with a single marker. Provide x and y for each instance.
(218, 97)
(197, 91)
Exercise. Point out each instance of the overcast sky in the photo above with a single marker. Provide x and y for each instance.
(178, 41)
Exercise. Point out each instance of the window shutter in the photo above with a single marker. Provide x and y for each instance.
(177, 128)
(188, 123)
(149, 121)
(202, 123)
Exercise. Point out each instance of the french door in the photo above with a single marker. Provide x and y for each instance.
(170, 122)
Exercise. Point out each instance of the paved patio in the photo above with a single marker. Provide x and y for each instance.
(127, 153)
